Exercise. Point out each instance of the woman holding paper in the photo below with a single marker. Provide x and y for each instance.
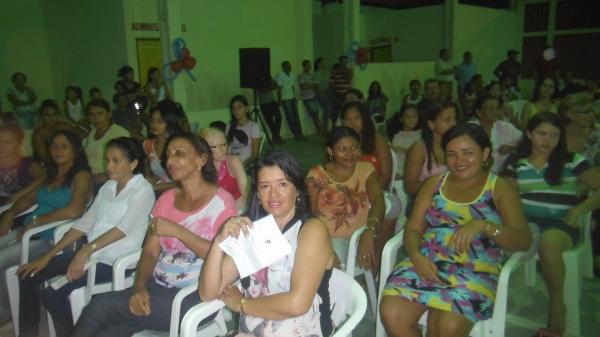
(185, 220)
(345, 193)
(284, 298)
(112, 225)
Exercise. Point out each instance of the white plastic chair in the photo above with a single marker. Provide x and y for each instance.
(517, 107)
(354, 270)
(394, 168)
(579, 264)
(348, 300)
(215, 327)
(494, 327)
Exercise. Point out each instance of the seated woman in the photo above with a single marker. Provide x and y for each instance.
(114, 225)
(17, 172)
(547, 175)
(49, 116)
(377, 102)
(415, 96)
(287, 298)
(454, 254)
(185, 221)
(103, 130)
(62, 196)
(164, 123)
(407, 131)
(426, 158)
(242, 132)
(345, 195)
(503, 135)
(543, 100)
(230, 171)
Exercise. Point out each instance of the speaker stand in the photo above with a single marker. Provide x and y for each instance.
(258, 117)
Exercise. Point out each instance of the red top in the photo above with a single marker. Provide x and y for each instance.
(227, 181)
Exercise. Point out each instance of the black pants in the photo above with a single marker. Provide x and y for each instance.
(272, 116)
(290, 107)
(108, 314)
(56, 301)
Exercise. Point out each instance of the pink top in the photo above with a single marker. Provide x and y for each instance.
(177, 265)
(435, 167)
(227, 181)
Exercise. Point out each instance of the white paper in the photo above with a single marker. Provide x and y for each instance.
(62, 280)
(264, 245)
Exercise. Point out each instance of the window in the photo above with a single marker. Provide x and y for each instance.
(579, 53)
(536, 17)
(576, 14)
(532, 51)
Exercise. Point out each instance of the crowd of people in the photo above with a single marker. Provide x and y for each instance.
(134, 176)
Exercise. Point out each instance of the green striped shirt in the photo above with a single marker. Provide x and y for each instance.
(540, 199)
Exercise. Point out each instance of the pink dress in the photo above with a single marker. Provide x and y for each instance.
(435, 168)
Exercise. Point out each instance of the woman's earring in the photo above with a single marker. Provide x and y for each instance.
(330, 158)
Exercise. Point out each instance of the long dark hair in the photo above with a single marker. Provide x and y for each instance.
(367, 135)
(317, 63)
(395, 124)
(80, 162)
(132, 150)
(538, 85)
(431, 112)
(209, 172)
(338, 133)
(559, 155)
(233, 132)
(292, 171)
(171, 115)
(372, 94)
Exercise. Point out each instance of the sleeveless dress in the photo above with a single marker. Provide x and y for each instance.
(227, 182)
(75, 111)
(469, 278)
(275, 279)
(154, 160)
(47, 201)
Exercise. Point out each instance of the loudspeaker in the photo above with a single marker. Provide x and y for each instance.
(255, 67)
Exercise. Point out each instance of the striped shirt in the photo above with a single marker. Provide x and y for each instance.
(540, 199)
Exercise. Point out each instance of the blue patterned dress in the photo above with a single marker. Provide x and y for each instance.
(469, 278)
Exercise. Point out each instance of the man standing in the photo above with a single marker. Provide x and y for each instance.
(444, 69)
(286, 97)
(308, 86)
(510, 67)
(340, 82)
(465, 71)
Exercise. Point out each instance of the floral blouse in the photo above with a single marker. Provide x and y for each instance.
(343, 206)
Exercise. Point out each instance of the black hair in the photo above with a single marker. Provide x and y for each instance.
(80, 162)
(284, 62)
(150, 71)
(395, 124)
(481, 99)
(342, 57)
(124, 70)
(442, 51)
(98, 102)
(431, 112)
(132, 149)
(170, 105)
(171, 115)
(49, 103)
(118, 95)
(356, 93)
(559, 155)
(538, 85)
(76, 89)
(209, 172)
(413, 82)
(292, 171)
(338, 133)
(305, 62)
(317, 64)
(241, 136)
(474, 131)
(219, 125)
(14, 76)
(93, 90)
(367, 135)
(372, 93)
(465, 53)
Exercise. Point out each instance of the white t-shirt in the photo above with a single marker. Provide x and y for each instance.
(310, 80)
(404, 139)
(441, 65)
(286, 82)
(128, 211)
(503, 133)
(239, 149)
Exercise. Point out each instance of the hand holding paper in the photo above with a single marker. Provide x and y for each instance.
(263, 245)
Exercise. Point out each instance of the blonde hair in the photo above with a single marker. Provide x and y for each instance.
(207, 132)
(577, 102)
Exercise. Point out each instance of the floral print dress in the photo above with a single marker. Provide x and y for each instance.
(469, 279)
(343, 206)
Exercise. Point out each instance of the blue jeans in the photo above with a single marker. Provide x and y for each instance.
(108, 314)
(312, 107)
(326, 107)
(56, 301)
(290, 107)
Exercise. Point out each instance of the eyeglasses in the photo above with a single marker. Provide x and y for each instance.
(212, 147)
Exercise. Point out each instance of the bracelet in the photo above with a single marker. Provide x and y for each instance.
(488, 228)
(372, 229)
(34, 220)
(242, 302)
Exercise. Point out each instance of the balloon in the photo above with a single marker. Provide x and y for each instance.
(189, 62)
(176, 66)
(185, 52)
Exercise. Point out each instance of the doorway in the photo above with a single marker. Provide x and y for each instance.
(149, 55)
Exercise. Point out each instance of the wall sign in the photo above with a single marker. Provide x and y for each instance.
(145, 26)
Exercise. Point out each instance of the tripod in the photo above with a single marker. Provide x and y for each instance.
(258, 117)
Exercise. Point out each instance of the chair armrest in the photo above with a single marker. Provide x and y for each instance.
(62, 229)
(388, 258)
(199, 312)
(27, 211)
(176, 308)
(120, 266)
(513, 262)
(33, 231)
(353, 246)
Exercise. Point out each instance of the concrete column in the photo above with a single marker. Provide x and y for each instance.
(170, 28)
(351, 9)
(551, 22)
